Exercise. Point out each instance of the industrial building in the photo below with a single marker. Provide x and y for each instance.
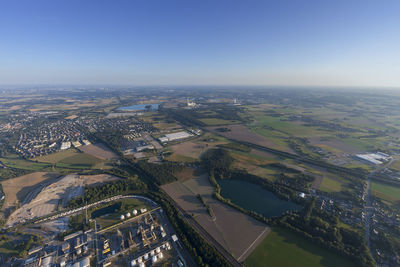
(174, 136)
(374, 158)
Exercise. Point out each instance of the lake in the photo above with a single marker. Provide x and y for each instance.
(254, 198)
(140, 107)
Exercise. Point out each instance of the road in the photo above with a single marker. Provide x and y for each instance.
(368, 209)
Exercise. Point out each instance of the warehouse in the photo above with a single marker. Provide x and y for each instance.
(174, 136)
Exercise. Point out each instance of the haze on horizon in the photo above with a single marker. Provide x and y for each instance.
(295, 43)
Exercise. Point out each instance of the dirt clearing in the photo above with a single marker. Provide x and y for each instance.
(16, 190)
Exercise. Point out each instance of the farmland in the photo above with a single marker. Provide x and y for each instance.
(232, 229)
(283, 248)
(99, 151)
(190, 151)
(390, 193)
(242, 133)
(72, 159)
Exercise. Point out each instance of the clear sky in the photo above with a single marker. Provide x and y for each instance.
(200, 42)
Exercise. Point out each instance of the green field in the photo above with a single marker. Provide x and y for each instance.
(330, 185)
(13, 161)
(283, 248)
(81, 159)
(395, 166)
(290, 128)
(215, 121)
(110, 214)
(71, 158)
(386, 192)
(58, 156)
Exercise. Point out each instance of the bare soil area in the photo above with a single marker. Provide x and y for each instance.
(95, 180)
(236, 232)
(19, 189)
(55, 196)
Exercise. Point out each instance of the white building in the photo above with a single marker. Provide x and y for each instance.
(174, 136)
(65, 145)
(374, 158)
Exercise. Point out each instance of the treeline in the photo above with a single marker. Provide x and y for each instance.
(218, 162)
(93, 194)
(282, 168)
(205, 204)
(187, 117)
(109, 136)
(9, 172)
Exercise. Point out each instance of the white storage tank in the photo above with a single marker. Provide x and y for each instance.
(139, 260)
(122, 217)
(128, 215)
(146, 256)
(133, 263)
(161, 255)
(134, 212)
(154, 259)
(158, 250)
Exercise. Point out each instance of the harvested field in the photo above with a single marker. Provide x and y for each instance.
(54, 196)
(242, 133)
(236, 232)
(191, 149)
(335, 145)
(100, 151)
(16, 190)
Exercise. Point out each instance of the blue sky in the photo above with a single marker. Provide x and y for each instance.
(200, 42)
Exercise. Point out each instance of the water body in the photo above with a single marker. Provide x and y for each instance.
(255, 198)
(140, 107)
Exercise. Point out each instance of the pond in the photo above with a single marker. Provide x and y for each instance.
(253, 197)
(140, 107)
(106, 210)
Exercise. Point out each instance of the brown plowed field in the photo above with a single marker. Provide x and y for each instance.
(236, 232)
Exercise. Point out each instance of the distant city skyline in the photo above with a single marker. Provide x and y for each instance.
(211, 42)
